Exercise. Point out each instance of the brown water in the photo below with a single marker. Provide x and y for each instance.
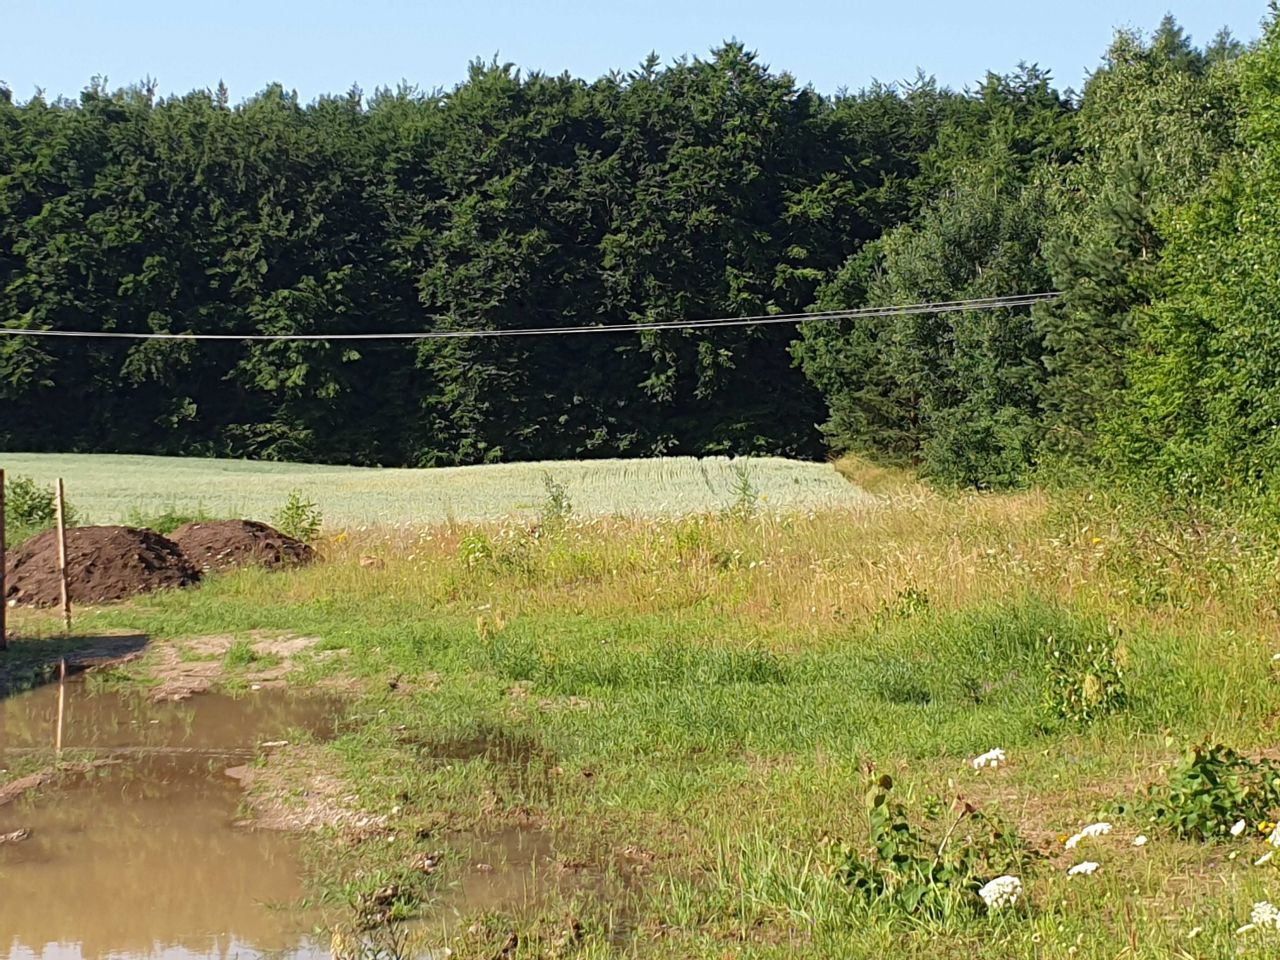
(141, 858)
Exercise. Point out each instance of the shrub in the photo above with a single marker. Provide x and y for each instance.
(30, 508)
(299, 518)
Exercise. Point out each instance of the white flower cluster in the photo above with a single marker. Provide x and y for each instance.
(1083, 869)
(992, 758)
(1001, 892)
(1092, 830)
(1264, 914)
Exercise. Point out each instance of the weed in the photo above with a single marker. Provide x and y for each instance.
(911, 872)
(556, 506)
(1210, 790)
(1086, 678)
(239, 655)
(746, 495)
(166, 519)
(299, 518)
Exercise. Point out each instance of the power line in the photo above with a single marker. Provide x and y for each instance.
(950, 306)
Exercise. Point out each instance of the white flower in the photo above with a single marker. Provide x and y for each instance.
(1092, 830)
(1237, 828)
(1001, 892)
(1274, 838)
(1264, 858)
(1140, 840)
(1083, 869)
(992, 758)
(1265, 914)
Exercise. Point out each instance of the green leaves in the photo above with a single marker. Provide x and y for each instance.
(1210, 790)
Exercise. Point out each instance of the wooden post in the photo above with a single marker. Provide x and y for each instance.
(4, 603)
(62, 702)
(62, 557)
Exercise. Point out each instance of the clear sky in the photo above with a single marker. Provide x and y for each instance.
(323, 46)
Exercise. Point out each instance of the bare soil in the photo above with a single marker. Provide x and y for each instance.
(103, 564)
(185, 668)
(226, 544)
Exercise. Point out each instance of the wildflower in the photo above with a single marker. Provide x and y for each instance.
(1083, 869)
(1140, 840)
(1092, 830)
(1266, 826)
(1273, 838)
(992, 758)
(1265, 858)
(1001, 892)
(1265, 914)
(1238, 828)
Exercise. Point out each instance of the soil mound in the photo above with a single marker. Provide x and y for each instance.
(103, 564)
(223, 544)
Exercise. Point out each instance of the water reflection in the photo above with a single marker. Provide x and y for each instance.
(141, 858)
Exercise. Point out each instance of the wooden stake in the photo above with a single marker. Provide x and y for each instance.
(4, 603)
(62, 702)
(62, 557)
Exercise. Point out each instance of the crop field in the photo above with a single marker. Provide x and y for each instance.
(747, 734)
(109, 488)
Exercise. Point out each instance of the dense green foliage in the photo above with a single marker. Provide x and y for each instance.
(706, 188)
(1049, 193)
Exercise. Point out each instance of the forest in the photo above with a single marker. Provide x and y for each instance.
(701, 188)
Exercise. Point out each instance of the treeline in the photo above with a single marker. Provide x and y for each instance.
(706, 188)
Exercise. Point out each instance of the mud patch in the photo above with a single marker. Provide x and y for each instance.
(293, 791)
(227, 544)
(144, 843)
(103, 563)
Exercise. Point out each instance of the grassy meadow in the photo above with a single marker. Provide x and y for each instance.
(692, 714)
(111, 489)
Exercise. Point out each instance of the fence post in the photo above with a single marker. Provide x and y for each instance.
(62, 557)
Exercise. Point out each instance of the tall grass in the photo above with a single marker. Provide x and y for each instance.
(707, 693)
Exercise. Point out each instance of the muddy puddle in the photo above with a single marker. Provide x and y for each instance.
(141, 857)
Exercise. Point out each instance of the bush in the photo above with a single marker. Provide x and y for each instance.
(299, 518)
(30, 508)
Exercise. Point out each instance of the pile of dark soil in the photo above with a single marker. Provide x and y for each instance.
(223, 544)
(103, 564)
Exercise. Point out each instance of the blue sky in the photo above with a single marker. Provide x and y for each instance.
(323, 46)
